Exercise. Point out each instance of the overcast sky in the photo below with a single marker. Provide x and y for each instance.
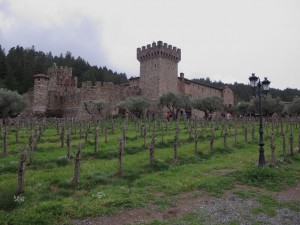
(224, 40)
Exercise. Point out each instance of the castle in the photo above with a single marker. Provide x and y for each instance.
(57, 94)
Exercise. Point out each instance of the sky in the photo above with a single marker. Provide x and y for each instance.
(224, 40)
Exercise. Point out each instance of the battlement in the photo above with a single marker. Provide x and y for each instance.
(98, 84)
(61, 71)
(159, 50)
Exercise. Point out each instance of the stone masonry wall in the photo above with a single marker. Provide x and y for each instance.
(195, 90)
(57, 93)
(107, 92)
(158, 69)
(40, 94)
(228, 96)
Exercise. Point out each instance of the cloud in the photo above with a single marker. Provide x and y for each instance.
(79, 35)
(226, 40)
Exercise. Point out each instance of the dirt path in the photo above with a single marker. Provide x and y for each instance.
(199, 200)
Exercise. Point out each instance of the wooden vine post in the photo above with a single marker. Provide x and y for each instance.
(162, 135)
(68, 141)
(62, 136)
(87, 131)
(283, 146)
(252, 134)
(246, 135)
(235, 135)
(17, 134)
(124, 136)
(96, 140)
(196, 141)
(5, 140)
(152, 148)
(291, 139)
(299, 143)
(77, 160)
(211, 144)
(145, 136)
(105, 135)
(21, 171)
(80, 131)
(225, 137)
(31, 144)
(176, 146)
(120, 155)
(273, 160)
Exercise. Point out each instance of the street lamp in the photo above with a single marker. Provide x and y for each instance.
(260, 88)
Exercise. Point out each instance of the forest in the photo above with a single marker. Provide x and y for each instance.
(19, 65)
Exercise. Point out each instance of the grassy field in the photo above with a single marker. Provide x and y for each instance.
(50, 197)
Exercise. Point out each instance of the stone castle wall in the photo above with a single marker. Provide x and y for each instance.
(57, 94)
(108, 92)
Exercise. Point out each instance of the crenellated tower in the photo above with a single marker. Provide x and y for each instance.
(158, 69)
(40, 95)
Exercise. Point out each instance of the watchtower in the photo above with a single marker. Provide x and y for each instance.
(158, 69)
(40, 94)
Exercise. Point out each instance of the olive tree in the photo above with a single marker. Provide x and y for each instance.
(134, 105)
(243, 108)
(95, 109)
(11, 103)
(208, 104)
(269, 105)
(174, 102)
(294, 107)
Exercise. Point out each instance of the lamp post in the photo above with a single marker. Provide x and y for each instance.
(260, 88)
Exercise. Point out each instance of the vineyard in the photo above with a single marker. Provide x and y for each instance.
(57, 170)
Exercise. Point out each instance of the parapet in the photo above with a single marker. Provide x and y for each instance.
(98, 84)
(38, 76)
(159, 50)
(62, 71)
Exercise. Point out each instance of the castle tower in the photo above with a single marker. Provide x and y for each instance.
(40, 94)
(158, 69)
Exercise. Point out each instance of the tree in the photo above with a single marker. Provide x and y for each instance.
(174, 102)
(11, 103)
(269, 105)
(243, 108)
(208, 104)
(95, 109)
(294, 107)
(134, 105)
(3, 65)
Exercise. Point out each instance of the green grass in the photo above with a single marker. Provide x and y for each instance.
(51, 198)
